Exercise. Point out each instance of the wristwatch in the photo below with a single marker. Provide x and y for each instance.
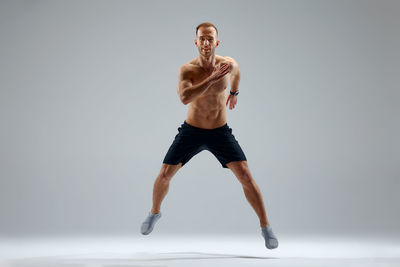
(234, 93)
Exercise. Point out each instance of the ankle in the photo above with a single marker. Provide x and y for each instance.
(155, 211)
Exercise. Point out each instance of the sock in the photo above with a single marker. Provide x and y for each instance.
(271, 241)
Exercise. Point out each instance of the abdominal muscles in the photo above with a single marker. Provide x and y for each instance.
(208, 110)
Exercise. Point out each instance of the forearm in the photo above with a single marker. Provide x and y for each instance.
(191, 93)
(235, 79)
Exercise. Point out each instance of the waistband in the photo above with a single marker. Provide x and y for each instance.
(225, 126)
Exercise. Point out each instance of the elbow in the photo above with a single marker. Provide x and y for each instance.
(183, 98)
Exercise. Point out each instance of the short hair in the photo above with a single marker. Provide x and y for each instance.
(206, 24)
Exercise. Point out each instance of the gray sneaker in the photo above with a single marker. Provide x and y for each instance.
(271, 241)
(148, 224)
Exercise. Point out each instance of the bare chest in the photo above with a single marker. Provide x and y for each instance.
(214, 98)
(216, 88)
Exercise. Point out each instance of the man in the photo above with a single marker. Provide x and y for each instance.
(201, 84)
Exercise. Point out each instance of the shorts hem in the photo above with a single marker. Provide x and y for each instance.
(173, 163)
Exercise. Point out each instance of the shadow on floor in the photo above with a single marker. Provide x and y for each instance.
(83, 260)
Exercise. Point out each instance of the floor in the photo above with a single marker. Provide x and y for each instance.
(195, 251)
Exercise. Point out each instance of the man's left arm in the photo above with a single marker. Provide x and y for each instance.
(234, 81)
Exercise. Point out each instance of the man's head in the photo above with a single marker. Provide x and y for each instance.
(206, 38)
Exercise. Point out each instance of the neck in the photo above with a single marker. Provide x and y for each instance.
(207, 63)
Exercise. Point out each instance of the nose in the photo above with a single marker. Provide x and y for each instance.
(206, 42)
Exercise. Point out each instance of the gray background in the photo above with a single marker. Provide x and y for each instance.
(88, 109)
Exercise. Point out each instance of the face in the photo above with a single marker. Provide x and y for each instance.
(206, 41)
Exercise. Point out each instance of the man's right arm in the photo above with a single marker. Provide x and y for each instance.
(186, 90)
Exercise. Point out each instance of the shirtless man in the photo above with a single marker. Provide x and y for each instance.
(201, 84)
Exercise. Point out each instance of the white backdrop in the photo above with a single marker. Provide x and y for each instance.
(88, 109)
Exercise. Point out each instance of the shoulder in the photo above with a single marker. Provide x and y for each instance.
(186, 71)
(230, 59)
(189, 66)
(235, 67)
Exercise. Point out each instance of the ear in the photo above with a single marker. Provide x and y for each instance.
(195, 42)
(217, 42)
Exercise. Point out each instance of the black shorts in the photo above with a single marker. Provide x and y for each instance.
(191, 140)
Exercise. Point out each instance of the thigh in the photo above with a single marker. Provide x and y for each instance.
(225, 152)
(185, 145)
(225, 147)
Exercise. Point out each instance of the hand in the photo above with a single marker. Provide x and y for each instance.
(232, 99)
(219, 72)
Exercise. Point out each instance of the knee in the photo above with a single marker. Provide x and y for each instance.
(164, 177)
(245, 178)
